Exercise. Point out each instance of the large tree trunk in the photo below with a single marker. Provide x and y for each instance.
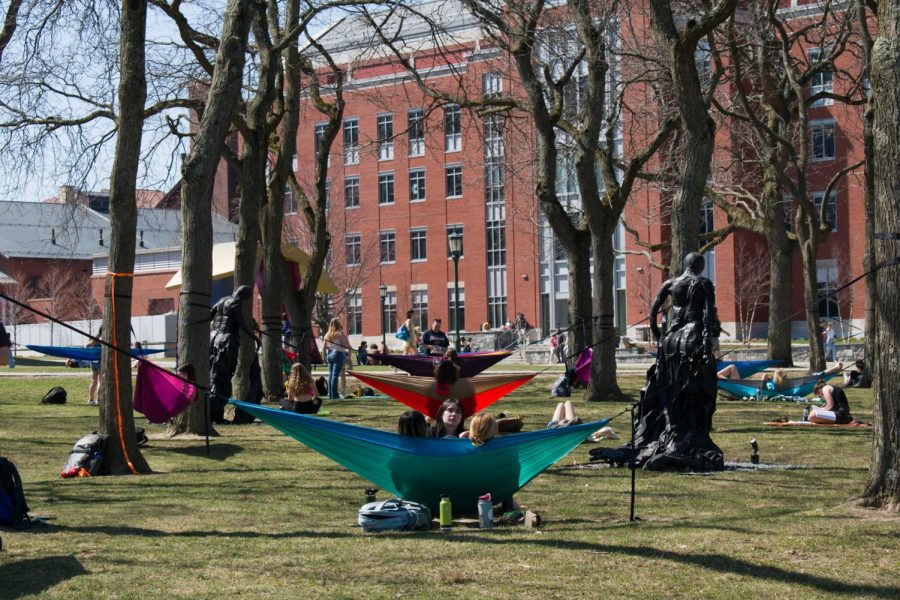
(866, 41)
(781, 271)
(883, 487)
(580, 296)
(808, 247)
(116, 411)
(198, 171)
(603, 385)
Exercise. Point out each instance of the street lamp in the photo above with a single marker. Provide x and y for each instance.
(455, 242)
(382, 291)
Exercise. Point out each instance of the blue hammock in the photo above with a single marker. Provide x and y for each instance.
(746, 368)
(88, 354)
(749, 388)
(421, 469)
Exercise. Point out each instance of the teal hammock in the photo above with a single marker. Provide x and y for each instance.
(421, 469)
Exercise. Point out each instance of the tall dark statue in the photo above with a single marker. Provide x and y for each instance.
(679, 399)
(225, 338)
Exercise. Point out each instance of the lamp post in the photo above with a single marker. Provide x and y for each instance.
(455, 242)
(382, 291)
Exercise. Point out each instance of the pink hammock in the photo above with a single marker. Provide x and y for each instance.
(583, 365)
(159, 395)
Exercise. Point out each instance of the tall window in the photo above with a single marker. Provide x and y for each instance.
(707, 225)
(417, 185)
(353, 249)
(830, 208)
(417, 244)
(351, 191)
(389, 316)
(452, 128)
(385, 188)
(497, 310)
(496, 243)
(319, 134)
(388, 246)
(415, 126)
(420, 306)
(454, 181)
(457, 229)
(351, 141)
(492, 85)
(385, 137)
(354, 314)
(462, 308)
(290, 203)
(827, 276)
(821, 82)
(822, 140)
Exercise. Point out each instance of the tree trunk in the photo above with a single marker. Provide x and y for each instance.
(116, 411)
(198, 171)
(603, 385)
(808, 247)
(580, 296)
(883, 486)
(781, 271)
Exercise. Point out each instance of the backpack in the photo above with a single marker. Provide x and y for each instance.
(367, 391)
(402, 333)
(394, 514)
(561, 388)
(86, 455)
(56, 395)
(13, 508)
(321, 386)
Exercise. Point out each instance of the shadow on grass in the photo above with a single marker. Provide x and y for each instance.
(714, 562)
(217, 450)
(156, 533)
(33, 576)
(786, 430)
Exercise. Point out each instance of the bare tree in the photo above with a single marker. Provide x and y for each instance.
(751, 289)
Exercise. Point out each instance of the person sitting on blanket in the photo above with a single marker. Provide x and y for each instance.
(836, 409)
(301, 392)
(449, 419)
(412, 424)
(563, 416)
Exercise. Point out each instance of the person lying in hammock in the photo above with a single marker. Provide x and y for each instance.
(449, 419)
(412, 424)
(448, 383)
(301, 392)
(836, 409)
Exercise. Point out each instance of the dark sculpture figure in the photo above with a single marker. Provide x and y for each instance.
(225, 338)
(679, 398)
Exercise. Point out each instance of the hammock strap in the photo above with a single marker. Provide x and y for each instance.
(112, 304)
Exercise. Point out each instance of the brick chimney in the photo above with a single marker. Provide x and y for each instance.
(67, 194)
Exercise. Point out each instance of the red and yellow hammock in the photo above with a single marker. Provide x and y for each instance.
(420, 393)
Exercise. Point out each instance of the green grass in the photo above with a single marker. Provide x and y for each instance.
(266, 517)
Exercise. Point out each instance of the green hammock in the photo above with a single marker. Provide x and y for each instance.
(421, 469)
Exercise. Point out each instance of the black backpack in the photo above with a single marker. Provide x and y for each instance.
(13, 508)
(321, 387)
(561, 388)
(56, 395)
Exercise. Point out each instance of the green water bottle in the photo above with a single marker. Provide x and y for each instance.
(446, 513)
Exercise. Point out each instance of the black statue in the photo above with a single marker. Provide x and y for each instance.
(224, 340)
(679, 399)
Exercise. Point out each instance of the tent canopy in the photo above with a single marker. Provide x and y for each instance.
(223, 256)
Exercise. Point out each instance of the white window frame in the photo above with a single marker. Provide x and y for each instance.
(389, 183)
(387, 237)
(452, 128)
(385, 132)
(457, 175)
(419, 175)
(832, 200)
(820, 82)
(347, 180)
(351, 152)
(819, 128)
(353, 240)
(416, 144)
(421, 237)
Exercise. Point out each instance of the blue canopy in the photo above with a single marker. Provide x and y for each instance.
(89, 354)
(749, 388)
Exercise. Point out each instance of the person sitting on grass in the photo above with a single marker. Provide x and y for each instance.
(449, 419)
(412, 424)
(836, 409)
(854, 378)
(301, 393)
(563, 416)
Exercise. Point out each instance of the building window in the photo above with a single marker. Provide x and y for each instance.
(458, 229)
(160, 306)
(492, 85)
(388, 245)
(451, 303)
(830, 208)
(420, 306)
(318, 135)
(452, 128)
(417, 185)
(827, 276)
(415, 127)
(385, 137)
(389, 314)
(417, 245)
(454, 181)
(496, 243)
(290, 203)
(823, 140)
(821, 82)
(354, 314)
(497, 310)
(385, 188)
(353, 249)
(351, 141)
(351, 192)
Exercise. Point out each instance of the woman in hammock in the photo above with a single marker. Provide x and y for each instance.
(836, 409)
(448, 383)
(412, 424)
(449, 419)
(301, 393)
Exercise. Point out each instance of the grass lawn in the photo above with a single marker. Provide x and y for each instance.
(266, 517)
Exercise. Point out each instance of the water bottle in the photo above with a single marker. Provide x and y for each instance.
(806, 413)
(370, 495)
(446, 513)
(485, 512)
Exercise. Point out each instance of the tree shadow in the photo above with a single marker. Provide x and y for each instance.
(157, 533)
(217, 450)
(33, 576)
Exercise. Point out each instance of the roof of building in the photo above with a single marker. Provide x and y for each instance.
(6, 279)
(75, 232)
